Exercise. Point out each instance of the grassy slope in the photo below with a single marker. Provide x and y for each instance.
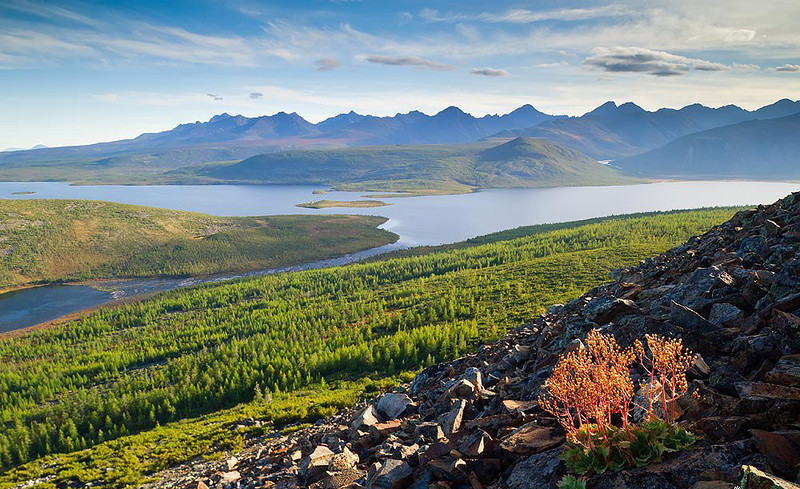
(517, 163)
(59, 240)
(342, 323)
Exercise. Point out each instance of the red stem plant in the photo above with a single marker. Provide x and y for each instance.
(591, 384)
(666, 366)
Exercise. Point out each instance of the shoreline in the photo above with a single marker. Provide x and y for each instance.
(195, 280)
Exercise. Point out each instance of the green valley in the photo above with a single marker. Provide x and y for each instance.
(66, 240)
(126, 391)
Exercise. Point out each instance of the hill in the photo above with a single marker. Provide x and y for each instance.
(135, 389)
(611, 131)
(64, 240)
(766, 149)
(523, 162)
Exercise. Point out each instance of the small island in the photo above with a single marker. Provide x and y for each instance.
(323, 204)
(23, 193)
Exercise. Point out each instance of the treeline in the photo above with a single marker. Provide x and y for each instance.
(195, 351)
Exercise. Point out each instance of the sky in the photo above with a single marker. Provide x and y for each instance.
(78, 72)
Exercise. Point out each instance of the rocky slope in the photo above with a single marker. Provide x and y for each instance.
(732, 294)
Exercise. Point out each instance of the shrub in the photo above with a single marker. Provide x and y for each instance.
(591, 387)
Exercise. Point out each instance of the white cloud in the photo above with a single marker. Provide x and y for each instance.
(489, 72)
(641, 60)
(787, 68)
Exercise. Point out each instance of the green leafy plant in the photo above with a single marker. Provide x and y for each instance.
(571, 482)
(592, 384)
(637, 446)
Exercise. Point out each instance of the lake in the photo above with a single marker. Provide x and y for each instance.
(418, 221)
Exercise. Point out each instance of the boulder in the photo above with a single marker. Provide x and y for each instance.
(765, 390)
(463, 389)
(393, 405)
(314, 466)
(338, 480)
(785, 372)
(365, 418)
(519, 406)
(688, 318)
(754, 478)
(450, 421)
(343, 461)
(230, 477)
(392, 474)
(382, 430)
(430, 431)
(723, 313)
(475, 444)
(532, 438)
(781, 454)
(540, 470)
(603, 310)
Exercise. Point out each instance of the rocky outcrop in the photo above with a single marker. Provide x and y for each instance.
(732, 294)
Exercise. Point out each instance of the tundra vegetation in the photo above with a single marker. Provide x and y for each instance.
(126, 391)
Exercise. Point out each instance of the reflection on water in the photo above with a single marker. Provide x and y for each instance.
(427, 220)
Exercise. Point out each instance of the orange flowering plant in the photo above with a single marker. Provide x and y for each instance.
(591, 389)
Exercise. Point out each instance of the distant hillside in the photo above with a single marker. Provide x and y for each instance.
(523, 162)
(767, 149)
(63, 240)
(612, 131)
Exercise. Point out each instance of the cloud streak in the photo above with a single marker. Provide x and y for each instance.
(214, 96)
(489, 72)
(641, 60)
(525, 16)
(787, 68)
(409, 61)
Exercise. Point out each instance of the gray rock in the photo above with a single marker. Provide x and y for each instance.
(474, 375)
(392, 474)
(343, 461)
(393, 405)
(314, 466)
(687, 318)
(366, 417)
(537, 471)
(722, 313)
(451, 421)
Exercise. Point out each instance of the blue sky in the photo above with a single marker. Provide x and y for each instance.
(78, 72)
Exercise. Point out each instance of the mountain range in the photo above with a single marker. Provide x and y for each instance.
(768, 149)
(609, 132)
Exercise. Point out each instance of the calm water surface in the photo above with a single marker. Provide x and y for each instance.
(418, 220)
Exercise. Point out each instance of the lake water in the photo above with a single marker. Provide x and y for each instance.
(417, 220)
